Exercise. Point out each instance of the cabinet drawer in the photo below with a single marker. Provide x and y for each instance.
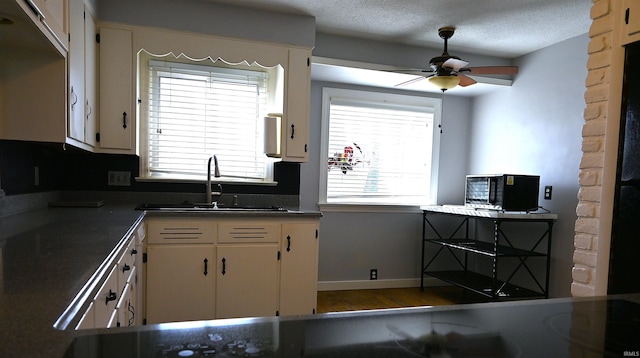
(184, 231)
(127, 263)
(87, 320)
(141, 233)
(105, 301)
(126, 307)
(248, 231)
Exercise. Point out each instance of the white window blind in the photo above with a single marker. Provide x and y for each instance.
(391, 145)
(197, 111)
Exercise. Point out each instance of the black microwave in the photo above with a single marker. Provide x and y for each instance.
(508, 192)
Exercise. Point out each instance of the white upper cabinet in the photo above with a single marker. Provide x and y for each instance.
(49, 16)
(119, 48)
(630, 19)
(83, 104)
(33, 77)
(117, 115)
(295, 134)
(90, 80)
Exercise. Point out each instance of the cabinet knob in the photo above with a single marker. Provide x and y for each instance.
(111, 296)
(126, 268)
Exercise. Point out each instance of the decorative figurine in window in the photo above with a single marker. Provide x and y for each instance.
(345, 160)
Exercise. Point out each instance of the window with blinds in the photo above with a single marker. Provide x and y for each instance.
(380, 148)
(196, 111)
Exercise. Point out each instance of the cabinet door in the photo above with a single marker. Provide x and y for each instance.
(631, 21)
(140, 275)
(55, 17)
(76, 70)
(299, 269)
(126, 307)
(116, 94)
(247, 278)
(82, 74)
(180, 283)
(296, 114)
(106, 299)
(90, 81)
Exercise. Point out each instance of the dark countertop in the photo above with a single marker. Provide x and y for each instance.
(47, 256)
(589, 327)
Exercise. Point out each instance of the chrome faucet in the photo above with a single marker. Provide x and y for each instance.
(216, 173)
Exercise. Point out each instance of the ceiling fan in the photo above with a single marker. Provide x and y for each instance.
(447, 71)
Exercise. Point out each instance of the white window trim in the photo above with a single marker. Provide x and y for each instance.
(329, 93)
(143, 59)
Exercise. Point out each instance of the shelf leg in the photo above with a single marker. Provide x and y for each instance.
(424, 228)
(494, 269)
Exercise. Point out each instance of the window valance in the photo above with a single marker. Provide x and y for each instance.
(161, 42)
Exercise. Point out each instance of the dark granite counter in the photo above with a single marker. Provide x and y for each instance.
(46, 257)
(590, 327)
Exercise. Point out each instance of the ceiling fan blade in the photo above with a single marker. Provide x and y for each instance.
(454, 63)
(415, 72)
(466, 80)
(411, 81)
(492, 70)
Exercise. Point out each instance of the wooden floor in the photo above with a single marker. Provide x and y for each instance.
(353, 300)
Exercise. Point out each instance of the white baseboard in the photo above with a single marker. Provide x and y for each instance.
(375, 284)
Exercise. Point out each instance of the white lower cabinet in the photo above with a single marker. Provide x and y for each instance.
(87, 321)
(225, 268)
(247, 280)
(299, 268)
(106, 299)
(126, 308)
(180, 282)
(119, 301)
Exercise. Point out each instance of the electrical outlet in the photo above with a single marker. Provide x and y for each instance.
(373, 274)
(547, 192)
(116, 178)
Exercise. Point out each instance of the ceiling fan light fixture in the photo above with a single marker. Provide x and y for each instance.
(444, 82)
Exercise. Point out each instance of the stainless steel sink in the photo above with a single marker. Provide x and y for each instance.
(205, 207)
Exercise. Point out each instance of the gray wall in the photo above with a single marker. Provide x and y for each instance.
(354, 243)
(535, 127)
(209, 18)
(539, 120)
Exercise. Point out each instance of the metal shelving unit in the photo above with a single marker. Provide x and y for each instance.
(500, 248)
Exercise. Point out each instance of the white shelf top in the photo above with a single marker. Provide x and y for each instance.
(485, 213)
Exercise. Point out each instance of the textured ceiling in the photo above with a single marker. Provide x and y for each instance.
(502, 28)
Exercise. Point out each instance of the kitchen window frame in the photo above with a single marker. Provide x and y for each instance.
(144, 58)
(385, 98)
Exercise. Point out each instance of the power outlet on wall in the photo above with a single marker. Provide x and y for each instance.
(117, 178)
(373, 274)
